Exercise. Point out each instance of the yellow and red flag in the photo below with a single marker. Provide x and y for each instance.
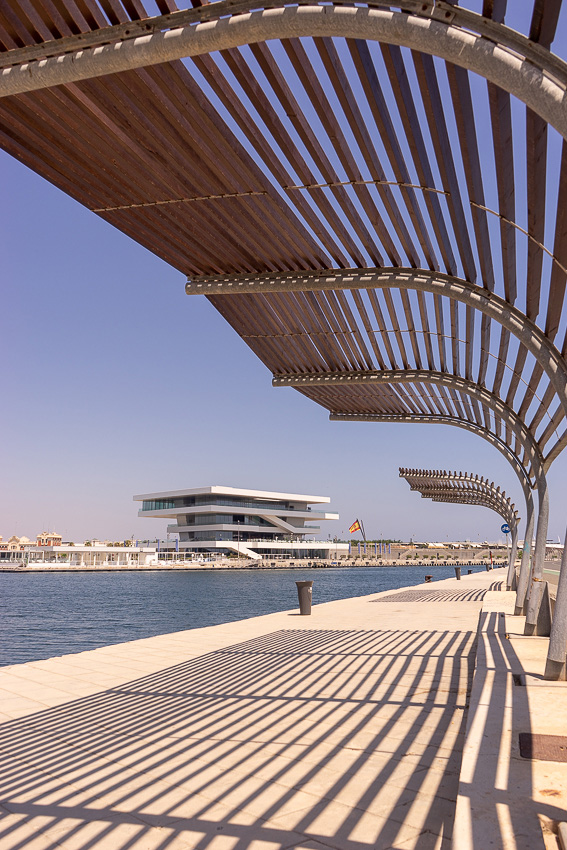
(355, 527)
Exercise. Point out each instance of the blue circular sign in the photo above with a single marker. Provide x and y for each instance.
(505, 528)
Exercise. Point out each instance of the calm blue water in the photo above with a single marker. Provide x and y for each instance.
(46, 614)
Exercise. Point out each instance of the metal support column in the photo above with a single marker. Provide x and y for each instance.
(535, 583)
(555, 666)
(512, 562)
(524, 574)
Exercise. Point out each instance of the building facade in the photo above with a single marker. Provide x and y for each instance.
(254, 524)
(49, 538)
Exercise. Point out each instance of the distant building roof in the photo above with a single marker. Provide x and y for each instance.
(218, 489)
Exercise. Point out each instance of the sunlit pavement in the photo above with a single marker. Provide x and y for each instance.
(344, 729)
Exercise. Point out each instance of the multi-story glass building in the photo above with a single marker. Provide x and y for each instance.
(250, 523)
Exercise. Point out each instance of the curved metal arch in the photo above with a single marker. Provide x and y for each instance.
(532, 590)
(484, 501)
(527, 332)
(473, 428)
(408, 376)
(543, 509)
(434, 419)
(506, 451)
(475, 500)
(535, 78)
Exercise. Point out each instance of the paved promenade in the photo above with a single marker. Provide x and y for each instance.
(341, 730)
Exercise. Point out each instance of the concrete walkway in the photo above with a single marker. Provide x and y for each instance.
(507, 801)
(341, 730)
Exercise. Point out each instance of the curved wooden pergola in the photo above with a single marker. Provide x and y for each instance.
(464, 488)
(374, 197)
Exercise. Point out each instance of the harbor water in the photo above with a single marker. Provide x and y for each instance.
(47, 614)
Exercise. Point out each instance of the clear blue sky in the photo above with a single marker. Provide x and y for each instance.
(115, 382)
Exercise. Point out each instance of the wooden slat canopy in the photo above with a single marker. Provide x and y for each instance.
(310, 154)
(441, 485)
(436, 162)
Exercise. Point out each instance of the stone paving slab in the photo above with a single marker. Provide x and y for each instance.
(340, 730)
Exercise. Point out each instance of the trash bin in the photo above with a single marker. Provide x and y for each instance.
(458, 573)
(304, 592)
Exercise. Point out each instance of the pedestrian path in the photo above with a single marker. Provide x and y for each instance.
(340, 730)
(513, 783)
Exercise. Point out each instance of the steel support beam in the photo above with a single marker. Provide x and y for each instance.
(537, 80)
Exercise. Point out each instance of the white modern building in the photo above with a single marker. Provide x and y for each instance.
(91, 557)
(248, 523)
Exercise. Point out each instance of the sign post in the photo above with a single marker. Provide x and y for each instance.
(506, 529)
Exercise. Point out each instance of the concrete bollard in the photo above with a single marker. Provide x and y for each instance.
(304, 593)
(458, 573)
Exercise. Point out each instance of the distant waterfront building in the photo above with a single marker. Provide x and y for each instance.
(49, 538)
(14, 544)
(250, 523)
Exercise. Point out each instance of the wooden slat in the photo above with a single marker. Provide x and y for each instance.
(466, 126)
(557, 418)
(302, 126)
(495, 9)
(429, 394)
(433, 105)
(485, 328)
(558, 276)
(543, 410)
(213, 75)
(382, 328)
(329, 347)
(317, 96)
(344, 332)
(440, 324)
(395, 66)
(422, 305)
(455, 337)
(517, 369)
(501, 115)
(406, 305)
(357, 124)
(375, 98)
(544, 21)
(391, 307)
(536, 175)
(365, 357)
(530, 392)
(367, 324)
(469, 342)
(502, 360)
